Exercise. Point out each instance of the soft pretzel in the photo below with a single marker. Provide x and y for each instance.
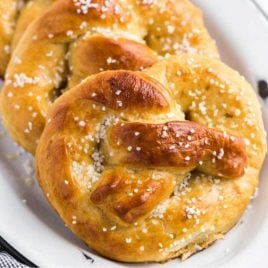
(135, 180)
(75, 38)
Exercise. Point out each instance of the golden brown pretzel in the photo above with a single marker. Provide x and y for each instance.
(137, 182)
(66, 40)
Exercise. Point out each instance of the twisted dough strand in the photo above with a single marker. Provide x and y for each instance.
(179, 144)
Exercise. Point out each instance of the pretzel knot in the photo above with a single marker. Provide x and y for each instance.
(74, 39)
(132, 177)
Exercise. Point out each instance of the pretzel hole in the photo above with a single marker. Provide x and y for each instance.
(62, 73)
(228, 115)
(57, 92)
(188, 115)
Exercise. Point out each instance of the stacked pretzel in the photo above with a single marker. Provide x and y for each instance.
(74, 39)
(157, 153)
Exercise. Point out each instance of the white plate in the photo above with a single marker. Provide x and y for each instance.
(35, 230)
